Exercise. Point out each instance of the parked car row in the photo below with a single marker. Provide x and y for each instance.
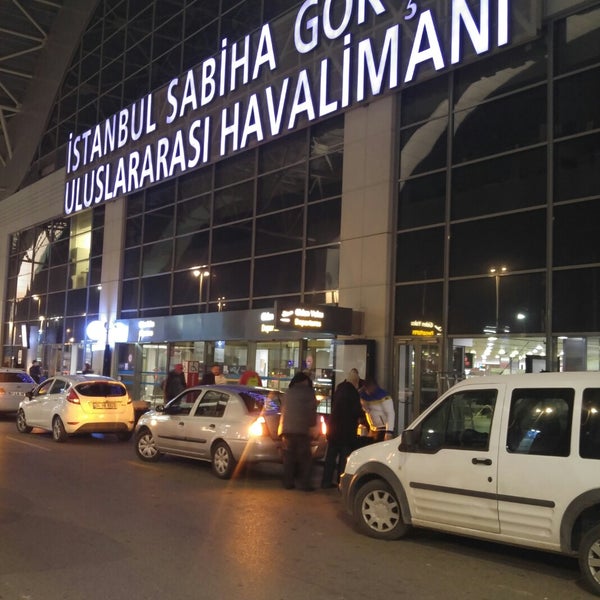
(223, 424)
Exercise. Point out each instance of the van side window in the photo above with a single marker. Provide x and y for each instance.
(540, 421)
(463, 421)
(589, 440)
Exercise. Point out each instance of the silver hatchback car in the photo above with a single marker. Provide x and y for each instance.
(222, 424)
(14, 384)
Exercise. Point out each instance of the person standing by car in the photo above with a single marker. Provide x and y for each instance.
(298, 417)
(250, 377)
(220, 379)
(379, 408)
(346, 410)
(174, 383)
(35, 371)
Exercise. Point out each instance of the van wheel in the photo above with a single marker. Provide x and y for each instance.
(377, 511)
(589, 558)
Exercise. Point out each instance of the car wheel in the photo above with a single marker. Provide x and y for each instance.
(58, 430)
(124, 436)
(145, 446)
(589, 558)
(223, 463)
(22, 422)
(377, 511)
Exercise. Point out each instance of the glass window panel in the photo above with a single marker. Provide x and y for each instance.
(58, 278)
(160, 195)
(287, 151)
(423, 148)
(235, 169)
(520, 309)
(158, 225)
(59, 253)
(76, 302)
(133, 231)
(322, 269)
(230, 243)
(192, 250)
(156, 258)
(589, 441)
(186, 290)
(96, 271)
(281, 189)
(55, 305)
(234, 203)
(325, 175)
(576, 168)
(135, 204)
(131, 263)
(420, 255)
(417, 302)
(156, 291)
(576, 300)
(129, 296)
(424, 101)
(93, 301)
(577, 41)
(241, 19)
(97, 242)
(523, 114)
(422, 201)
(40, 281)
(500, 184)
(195, 183)
(278, 275)
(574, 113)
(501, 73)
(516, 241)
(198, 13)
(201, 44)
(575, 225)
(323, 226)
(230, 281)
(193, 215)
(279, 232)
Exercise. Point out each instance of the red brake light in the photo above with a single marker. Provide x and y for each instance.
(73, 397)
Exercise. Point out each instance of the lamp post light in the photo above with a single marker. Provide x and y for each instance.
(200, 273)
(497, 272)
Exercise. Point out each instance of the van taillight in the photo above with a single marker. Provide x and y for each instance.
(73, 397)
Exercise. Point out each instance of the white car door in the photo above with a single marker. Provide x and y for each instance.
(34, 408)
(451, 470)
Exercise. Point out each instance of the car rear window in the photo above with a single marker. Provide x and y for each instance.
(15, 378)
(257, 402)
(101, 389)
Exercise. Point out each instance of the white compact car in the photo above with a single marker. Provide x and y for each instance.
(71, 404)
(14, 384)
(513, 459)
(222, 424)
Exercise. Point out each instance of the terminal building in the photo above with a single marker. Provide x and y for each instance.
(408, 188)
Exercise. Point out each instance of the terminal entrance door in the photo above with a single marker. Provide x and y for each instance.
(418, 366)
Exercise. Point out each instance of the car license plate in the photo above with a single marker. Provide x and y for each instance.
(17, 393)
(102, 405)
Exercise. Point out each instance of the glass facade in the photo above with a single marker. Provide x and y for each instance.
(498, 198)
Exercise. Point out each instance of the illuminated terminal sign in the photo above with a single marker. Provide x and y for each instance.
(326, 319)
(420, 328)
(313, 62)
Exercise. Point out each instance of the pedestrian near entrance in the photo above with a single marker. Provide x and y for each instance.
(379, 409)
(250, 377)
(346, 410)
(174, 383)
(298, 417)
(35, 371)
(220, 379)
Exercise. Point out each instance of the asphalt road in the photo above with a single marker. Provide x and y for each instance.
(87, 520)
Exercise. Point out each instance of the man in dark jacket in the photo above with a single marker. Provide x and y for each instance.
(298, 416)
(174, 383)
(346, 410)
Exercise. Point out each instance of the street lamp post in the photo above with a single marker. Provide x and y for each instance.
(200, 273)
(497, 273)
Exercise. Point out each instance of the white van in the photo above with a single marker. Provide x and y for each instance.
(513, 459)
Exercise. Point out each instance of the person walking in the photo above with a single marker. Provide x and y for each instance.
(174, 383)
(35, 371)
(298, 417)
(379, 408)
(346, 410)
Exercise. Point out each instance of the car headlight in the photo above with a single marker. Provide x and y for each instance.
(258, 428)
